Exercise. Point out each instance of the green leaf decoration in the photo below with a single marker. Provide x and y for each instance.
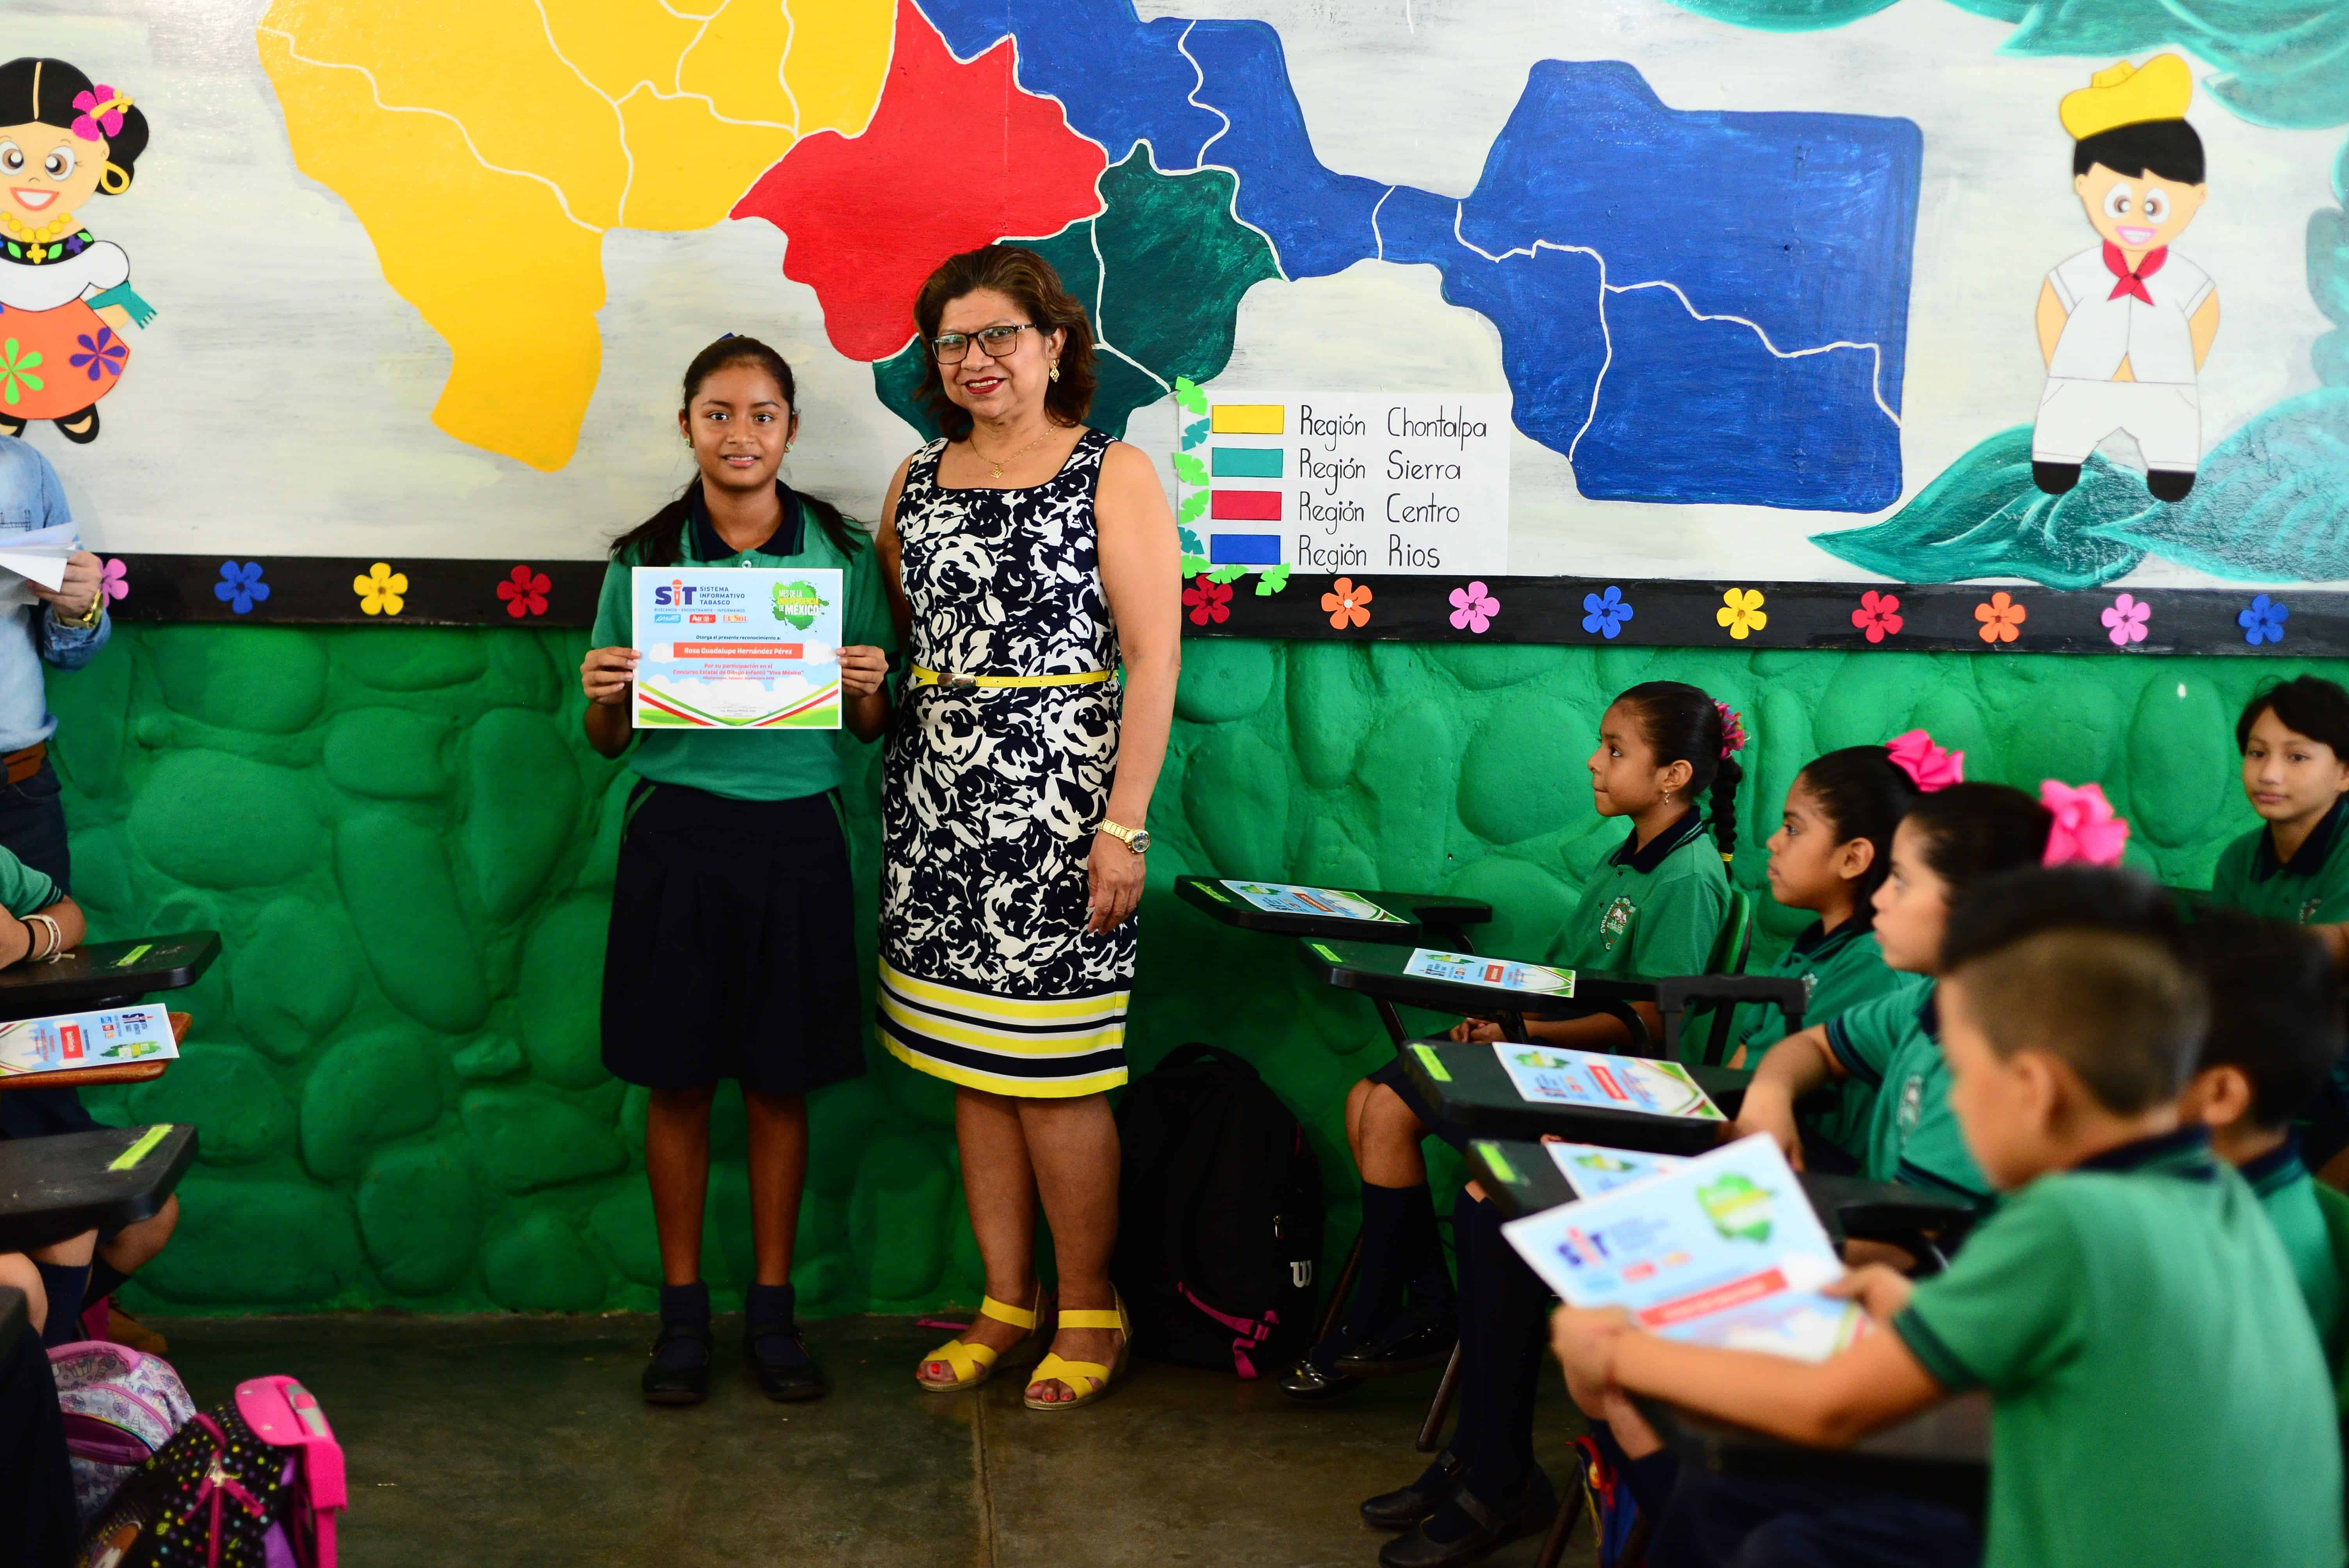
(1193, 433)
(1187, 394)
(1192, 543)
(1190, 470)
(1228, 574)
(1271, 581)
(1193, 505)
(2266, 504)
(1192, 565)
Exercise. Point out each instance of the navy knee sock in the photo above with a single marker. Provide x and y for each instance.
(770, 1311)
(65, 1285)
(685, 1306)
(104, 1279)
(1398, 1232)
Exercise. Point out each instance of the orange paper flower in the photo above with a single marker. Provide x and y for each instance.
(2001, 619)
(1346, 605)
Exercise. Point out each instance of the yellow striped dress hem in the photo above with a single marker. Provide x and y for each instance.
(1059, 1047)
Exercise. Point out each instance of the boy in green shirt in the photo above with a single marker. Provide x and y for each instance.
(2158, 1395)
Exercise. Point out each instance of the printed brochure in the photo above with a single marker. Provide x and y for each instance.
(1287, 898)
(1467, 969)
(1591, 1169)
(1546, 1075)
(73, 1042)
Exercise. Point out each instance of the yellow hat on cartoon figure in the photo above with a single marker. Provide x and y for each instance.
(2126, 94)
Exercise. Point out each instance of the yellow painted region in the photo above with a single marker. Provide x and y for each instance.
(839, 58)
(690, 168)
(617, 44)
(1245, 418)
(489, 259)
(488, 63)
(739, 63)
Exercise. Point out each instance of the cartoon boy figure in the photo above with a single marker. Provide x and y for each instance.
(2126, 325)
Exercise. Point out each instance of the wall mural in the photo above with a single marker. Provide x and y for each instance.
(1983, 324)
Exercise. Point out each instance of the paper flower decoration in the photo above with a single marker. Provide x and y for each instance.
(524, 591)
(2262, 620)
(1740, 611)
(102, 111)
(2125, 620)
(2001, 619)
(1605, 612)
(2087, 829)
(1879, 616)
(1348, 604)
(16, 366)
(241, 587)
(382, 591)
(1472, 608)
(1926, 765)
(1732, 729)
(1208, 600)
(115, 581)
(102, 355)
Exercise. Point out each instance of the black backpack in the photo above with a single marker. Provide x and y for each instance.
(1219, 1223)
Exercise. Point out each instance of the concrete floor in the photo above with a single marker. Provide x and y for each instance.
(521, 1441)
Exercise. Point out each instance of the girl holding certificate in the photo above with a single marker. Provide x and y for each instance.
(732, 952)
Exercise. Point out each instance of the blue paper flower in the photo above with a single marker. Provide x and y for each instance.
(241, 587)
(101, 355)
(2262, 620)
(1608, 612)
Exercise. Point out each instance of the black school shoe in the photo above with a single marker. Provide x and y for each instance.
(1406, 1506)
(788, 1375)
(1466, 1529)
(1411, 1342)
(1312, 1382)
(679, 1384)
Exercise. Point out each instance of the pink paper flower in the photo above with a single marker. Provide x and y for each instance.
(1932, 767)
(1732, 730)
(1879, 616)
(115, 581)
(2086, 831)
(2124, 622)
(102, 111)
(1472, 608)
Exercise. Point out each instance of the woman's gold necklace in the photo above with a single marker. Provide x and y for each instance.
(998, 463)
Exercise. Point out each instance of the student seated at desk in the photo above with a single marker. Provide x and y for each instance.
(2159, 1399)
(1653, 907)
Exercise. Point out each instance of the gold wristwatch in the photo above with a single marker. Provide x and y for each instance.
(1134, 839)
(89, 617)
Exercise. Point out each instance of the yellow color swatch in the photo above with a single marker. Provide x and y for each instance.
(1246, 419)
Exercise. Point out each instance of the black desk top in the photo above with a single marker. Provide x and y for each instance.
(1378, 970)
(52, 1188)
(1421, 915)
(99, 972)
(1943, 1454)
(1470, 1090)
(13, 1318)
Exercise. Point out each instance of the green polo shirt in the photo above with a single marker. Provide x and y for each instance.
(1893, 1046)
(2288, 1194)
(1839, 969)
(770, 764)
(2158, 1399)
(2310, 889)
(23, 889)
(1655, 912)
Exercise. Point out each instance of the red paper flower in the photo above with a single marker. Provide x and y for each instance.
(524, 591)
(1879, 616)
(1208, 600)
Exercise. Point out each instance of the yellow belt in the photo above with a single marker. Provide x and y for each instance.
(1081, 677)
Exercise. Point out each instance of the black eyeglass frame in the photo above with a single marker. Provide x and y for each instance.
(939, 343)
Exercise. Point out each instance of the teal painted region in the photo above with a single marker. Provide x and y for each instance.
(396, 1069)
(1248, 462)
(1164, 296)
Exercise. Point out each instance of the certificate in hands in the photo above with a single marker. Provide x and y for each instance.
(737, 648)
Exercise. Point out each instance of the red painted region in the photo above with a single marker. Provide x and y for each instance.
(956, 156)
(1246, 506)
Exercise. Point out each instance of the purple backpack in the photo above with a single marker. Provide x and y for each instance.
(121, 1408)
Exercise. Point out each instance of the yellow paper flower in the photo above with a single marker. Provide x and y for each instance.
(379, 591)
(1740, 611)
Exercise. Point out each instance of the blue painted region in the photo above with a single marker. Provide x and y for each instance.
(1246, 549)
(1121, 79)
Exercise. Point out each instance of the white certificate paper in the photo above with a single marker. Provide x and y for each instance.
(736, 647)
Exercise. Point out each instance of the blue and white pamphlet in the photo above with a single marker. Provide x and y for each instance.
(737, 648)
(1591, 1169)
(72, 1042)
(1288, 898)
(1547, 1075)
(1725, 1250)
(1467, 969)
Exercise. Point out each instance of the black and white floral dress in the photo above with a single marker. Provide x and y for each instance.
(988, 977)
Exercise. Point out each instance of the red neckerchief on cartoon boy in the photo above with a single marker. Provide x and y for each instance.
(2132, 283)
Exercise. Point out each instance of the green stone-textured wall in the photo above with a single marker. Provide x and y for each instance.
(409, 847)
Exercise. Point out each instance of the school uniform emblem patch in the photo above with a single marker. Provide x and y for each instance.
(1617, 921)
(1912, 1104)
(2308, 909)
(1810, 988)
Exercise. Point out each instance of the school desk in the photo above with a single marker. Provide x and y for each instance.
(52, 1188)
(1941, 1455)
(1421, 919)
(97, 974)
(1470, 1094)
(1377, 972)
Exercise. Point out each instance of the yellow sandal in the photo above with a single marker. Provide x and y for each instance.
(1056, 1368)
(974, 1363)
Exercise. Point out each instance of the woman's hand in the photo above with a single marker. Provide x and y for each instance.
(1114, 879)
(861, 670)
(1474, 1031)
(605, 674)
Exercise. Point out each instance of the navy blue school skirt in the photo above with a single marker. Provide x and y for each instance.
(732, 951)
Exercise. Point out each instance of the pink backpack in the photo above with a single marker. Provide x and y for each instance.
(121, 1408)
(284, 1414)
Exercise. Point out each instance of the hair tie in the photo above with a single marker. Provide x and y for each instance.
(1928, 767)
(101, 113)
(2086, 831)
(1733, 732)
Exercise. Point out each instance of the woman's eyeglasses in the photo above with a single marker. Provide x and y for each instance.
(951, 347)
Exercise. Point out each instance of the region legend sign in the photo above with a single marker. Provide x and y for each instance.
(1359, 482)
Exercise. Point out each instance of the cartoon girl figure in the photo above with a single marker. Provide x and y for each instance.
(64, 297)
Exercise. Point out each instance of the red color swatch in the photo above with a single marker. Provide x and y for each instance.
(956, 156)
(1246, 506)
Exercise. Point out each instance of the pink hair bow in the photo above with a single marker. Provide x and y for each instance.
(1926, 765)
(1732, 730)
(2087, 831)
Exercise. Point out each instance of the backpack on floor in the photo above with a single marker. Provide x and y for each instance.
(121, 1408)
(254, 1483)
(1219, 1228)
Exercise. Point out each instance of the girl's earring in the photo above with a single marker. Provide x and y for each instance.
(114, 180)
(1056, 371)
